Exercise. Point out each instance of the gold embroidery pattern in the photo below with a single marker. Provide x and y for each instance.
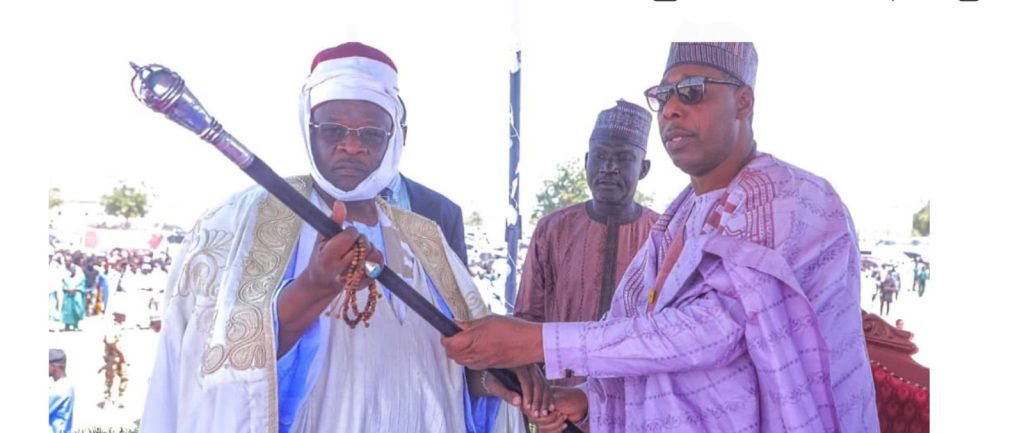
(424, 237)
(207, 255)
(205, 318)
(213, 358)
(475, 302)
(250, 337)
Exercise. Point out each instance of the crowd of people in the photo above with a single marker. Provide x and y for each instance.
(888, 283)
(106, 288)
(488, 265)
(84, 284)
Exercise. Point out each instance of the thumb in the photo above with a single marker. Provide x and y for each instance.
(338, 214)
(499, 390)
(339, 211)
(463, 325)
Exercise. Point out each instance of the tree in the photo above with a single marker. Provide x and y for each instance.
(474, 220)
(126, 202)
(921, 223)
(644, 199)
(568, 188)
(55, 200)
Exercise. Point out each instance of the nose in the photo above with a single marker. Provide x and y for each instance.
(609, 165)
(351, 144)
(673, 108)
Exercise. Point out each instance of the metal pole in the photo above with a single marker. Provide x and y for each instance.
(513, 226)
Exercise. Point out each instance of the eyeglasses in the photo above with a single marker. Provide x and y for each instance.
(334, 133)
(690, 91)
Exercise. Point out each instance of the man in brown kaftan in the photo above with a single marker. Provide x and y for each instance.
(578, 254)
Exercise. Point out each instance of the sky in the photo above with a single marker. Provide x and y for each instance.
(892, 101)
(822, 103)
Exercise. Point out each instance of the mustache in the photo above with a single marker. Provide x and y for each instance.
(349, 165)
(675, 131)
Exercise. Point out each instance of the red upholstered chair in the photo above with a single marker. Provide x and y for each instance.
(901, 384)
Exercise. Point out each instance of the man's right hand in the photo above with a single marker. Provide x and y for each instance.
(306, 298)
(570, 404)
(324, 276)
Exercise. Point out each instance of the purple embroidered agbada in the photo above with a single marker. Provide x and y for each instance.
(757, 328)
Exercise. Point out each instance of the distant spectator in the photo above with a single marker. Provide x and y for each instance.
(114, 363)
(917, 273)
(896, 280)
(922, 279)
(62, 394)
(93, 304)
(73, 303)
(54, 284)
(888, 289)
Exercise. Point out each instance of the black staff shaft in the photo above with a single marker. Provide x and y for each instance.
(273, 183)
(278, 187)
(165, 92)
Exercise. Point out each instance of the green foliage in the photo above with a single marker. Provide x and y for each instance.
(921, 221)
(126, 202)
(474, 220)
(568, 188)
(55, 200)
(644, 199)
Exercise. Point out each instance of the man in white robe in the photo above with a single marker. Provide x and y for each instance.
(246, 345)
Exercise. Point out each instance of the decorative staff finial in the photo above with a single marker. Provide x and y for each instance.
(164, 91)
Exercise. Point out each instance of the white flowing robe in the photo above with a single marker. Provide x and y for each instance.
(216, 365)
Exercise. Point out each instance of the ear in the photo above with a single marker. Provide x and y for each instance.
(645, 167)
(586, 160)
(401, 122)
(745, 103)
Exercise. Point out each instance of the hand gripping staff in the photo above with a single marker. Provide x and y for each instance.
(164, 91)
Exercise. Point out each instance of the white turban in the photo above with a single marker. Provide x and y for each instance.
(355, 71)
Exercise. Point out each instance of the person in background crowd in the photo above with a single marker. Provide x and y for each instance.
(114, 363)
(922, 279)
(888, 289)
(73, 303)
(92, 302)
(62, 394)
(55, 284)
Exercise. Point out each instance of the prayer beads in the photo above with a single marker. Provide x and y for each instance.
(344, 305)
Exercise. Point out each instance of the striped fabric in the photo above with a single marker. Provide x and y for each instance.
(738, 59)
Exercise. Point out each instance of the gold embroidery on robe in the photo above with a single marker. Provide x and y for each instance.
(424, 237)
(250, 342)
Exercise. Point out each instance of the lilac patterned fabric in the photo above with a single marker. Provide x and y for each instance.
(757, 327)
(738, 59)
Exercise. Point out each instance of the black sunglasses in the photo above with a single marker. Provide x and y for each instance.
(333, 133)
(690, 91)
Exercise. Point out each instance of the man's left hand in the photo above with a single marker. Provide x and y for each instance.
(496, 342)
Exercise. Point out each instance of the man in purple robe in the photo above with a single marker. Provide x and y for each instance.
(741, 311)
